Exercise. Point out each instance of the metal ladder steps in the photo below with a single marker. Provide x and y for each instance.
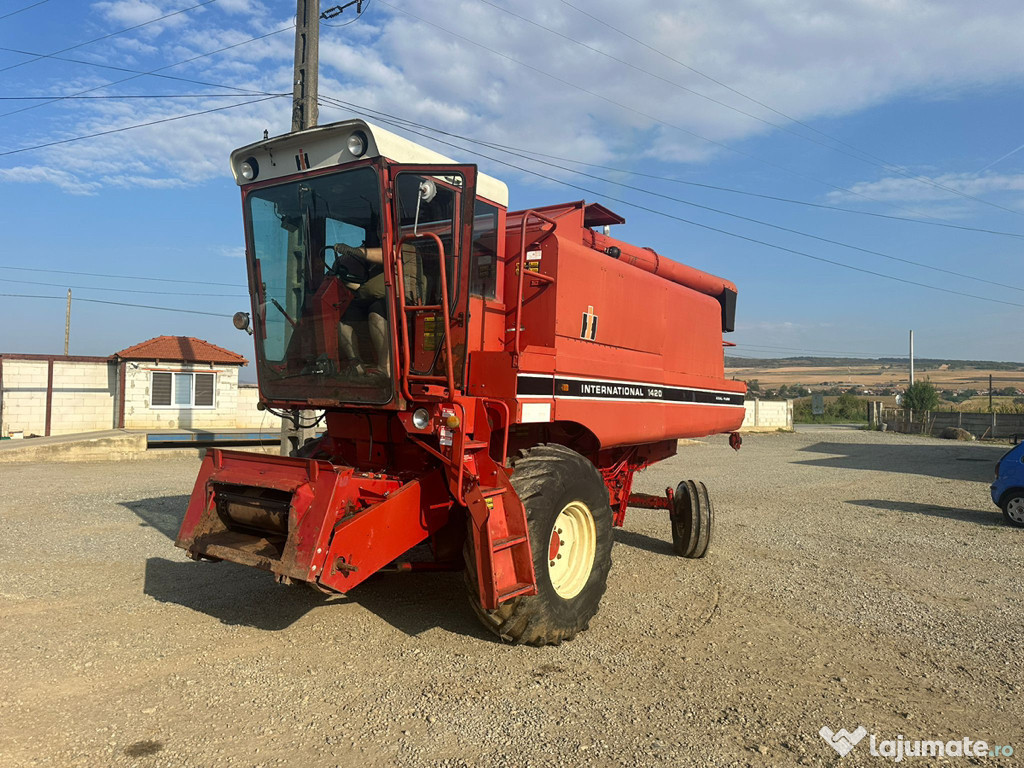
(514, 591)
(507, 543)
(474, 444)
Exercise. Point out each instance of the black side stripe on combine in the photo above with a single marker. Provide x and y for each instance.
(535, 385)
(576, 389)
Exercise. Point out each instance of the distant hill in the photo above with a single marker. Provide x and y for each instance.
(920, 363)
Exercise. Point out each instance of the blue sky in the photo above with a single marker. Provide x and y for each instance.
(931, 91)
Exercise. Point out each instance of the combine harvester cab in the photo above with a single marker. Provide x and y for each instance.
(489, 381)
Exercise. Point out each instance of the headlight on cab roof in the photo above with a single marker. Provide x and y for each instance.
(249, 169)
(357, 144)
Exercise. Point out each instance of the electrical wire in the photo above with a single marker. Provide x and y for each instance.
(868, 157)
(132, 127)
(700, 225)
(134, 96)
(123, 290)
(110, 34)
(647, 116)
(155, 72)
(20, 10)
(730, 214)
(115, 303)
(366, 7)
(121, 277)
(732, 190)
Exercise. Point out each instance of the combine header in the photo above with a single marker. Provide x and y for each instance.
(490, 381)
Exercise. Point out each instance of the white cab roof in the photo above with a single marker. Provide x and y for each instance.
(327, 145)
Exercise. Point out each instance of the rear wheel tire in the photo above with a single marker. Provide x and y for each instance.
(1013, 508)
(693, 519)
(570, 526)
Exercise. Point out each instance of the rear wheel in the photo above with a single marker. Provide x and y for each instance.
(692, 519)
(1013, 508)
(570, 526)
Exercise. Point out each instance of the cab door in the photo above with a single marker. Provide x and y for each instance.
(432, 214)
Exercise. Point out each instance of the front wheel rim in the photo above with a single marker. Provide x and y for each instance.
(572, 549)
(1015, 509)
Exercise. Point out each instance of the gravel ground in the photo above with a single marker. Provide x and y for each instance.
(855, 578)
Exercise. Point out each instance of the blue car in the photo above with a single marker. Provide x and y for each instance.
(1008, 487)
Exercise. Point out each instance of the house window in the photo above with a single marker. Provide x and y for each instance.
(182, 390)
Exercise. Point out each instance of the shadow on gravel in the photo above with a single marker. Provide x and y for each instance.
(644, 542)
(415, 603)
(954, 462)
(233, 594)
(164, 513)
(239, 595)
(978, 517)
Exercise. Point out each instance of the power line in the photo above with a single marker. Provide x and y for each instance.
(122, 290)
(655, 211)
(732, 190)
(647, 116)
(115, 303)
(137, 125)
(868, 157)
(121, 277)
(153, 72)
(727, 213)
(27, 7)
(109, 35)
(359, 15)
(134, 96)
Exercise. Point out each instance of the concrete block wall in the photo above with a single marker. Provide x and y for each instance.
(139, 413)
(83, 397)
(23, 397)
(767, 415)
(247, 416)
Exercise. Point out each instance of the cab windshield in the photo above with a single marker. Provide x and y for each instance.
(321, 309)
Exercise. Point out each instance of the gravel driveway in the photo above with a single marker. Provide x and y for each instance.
(855, 578)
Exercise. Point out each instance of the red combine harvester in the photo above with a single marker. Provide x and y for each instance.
(490, 381)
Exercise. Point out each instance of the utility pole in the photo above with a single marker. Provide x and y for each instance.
(911, 358)
(990, 393)
(304, 115)
(67, 325)
(307, 53)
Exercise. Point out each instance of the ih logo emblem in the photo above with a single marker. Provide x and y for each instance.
(589, 329)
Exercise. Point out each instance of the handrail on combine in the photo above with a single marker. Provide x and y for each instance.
(443, 309)
(522, 269)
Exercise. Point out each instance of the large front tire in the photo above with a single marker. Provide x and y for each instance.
(570, 526)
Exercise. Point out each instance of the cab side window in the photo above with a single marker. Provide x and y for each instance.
(484, 274)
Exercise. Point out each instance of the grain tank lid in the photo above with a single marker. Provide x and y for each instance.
(326, 146)
(596, 215)
(578, 213)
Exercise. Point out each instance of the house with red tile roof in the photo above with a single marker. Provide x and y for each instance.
(177, 382)
(169, 382)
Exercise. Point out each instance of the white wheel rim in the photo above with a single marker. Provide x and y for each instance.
(572, 549)
(1015, 509)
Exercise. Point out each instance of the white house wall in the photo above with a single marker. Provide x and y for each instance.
(139, 414)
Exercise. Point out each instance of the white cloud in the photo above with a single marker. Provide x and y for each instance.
(37, 174)
(806, 58)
